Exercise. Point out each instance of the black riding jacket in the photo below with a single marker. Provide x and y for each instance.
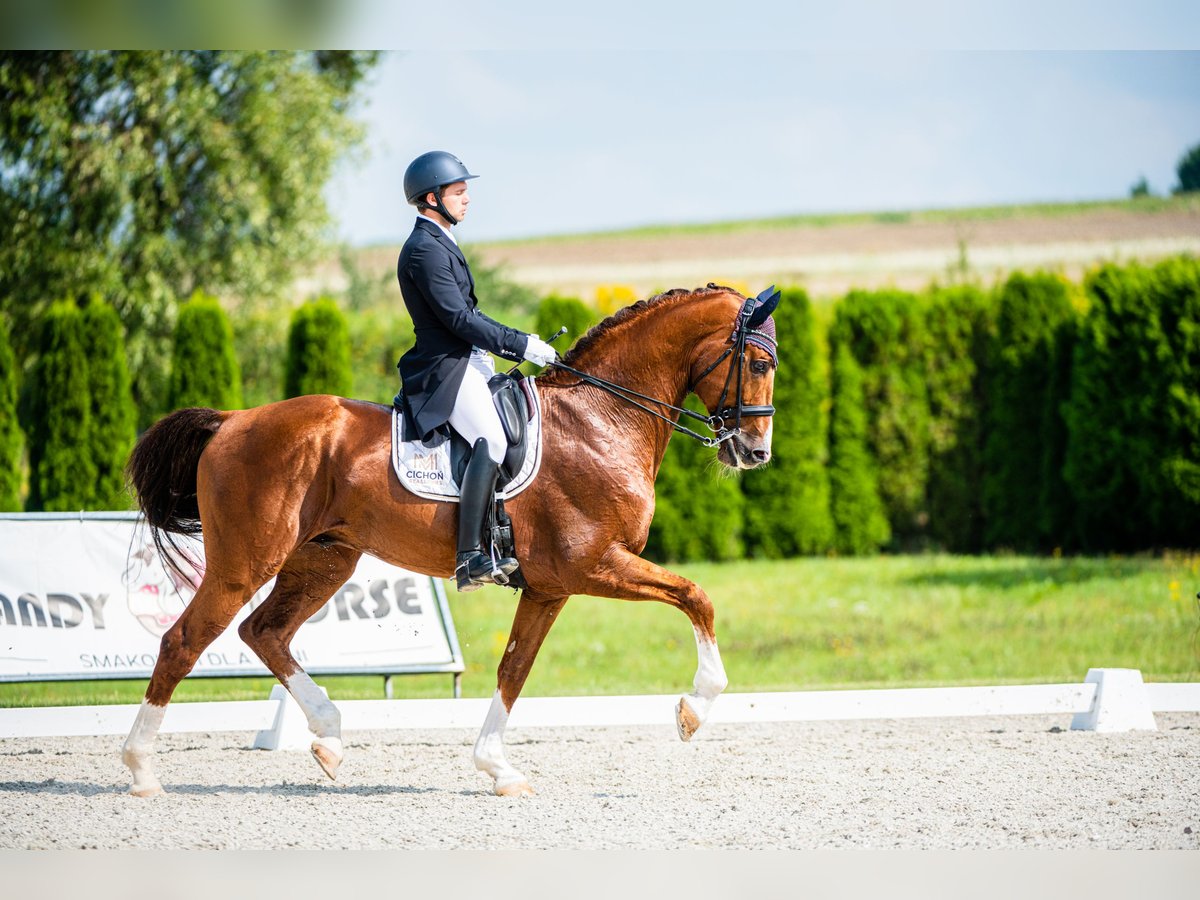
(439, 293)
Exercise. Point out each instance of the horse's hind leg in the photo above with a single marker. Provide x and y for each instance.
(306, 581)
(530, 625)
(208, 614)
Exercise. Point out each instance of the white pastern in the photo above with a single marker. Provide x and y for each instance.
(324, 720)
(710, 677)
(489, 751)
(138, 751)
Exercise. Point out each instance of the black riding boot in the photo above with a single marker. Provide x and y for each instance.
(475, 567)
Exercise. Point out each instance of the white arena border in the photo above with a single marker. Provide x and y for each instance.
(1109, 700)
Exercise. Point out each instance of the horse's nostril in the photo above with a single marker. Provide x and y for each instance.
(760, 455)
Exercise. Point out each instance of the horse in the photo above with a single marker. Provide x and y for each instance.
(298, 490)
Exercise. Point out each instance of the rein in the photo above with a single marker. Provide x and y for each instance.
(715, 422)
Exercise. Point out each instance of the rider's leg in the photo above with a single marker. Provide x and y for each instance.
(476, 419)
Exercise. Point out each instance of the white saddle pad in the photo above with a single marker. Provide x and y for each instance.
(426, 471)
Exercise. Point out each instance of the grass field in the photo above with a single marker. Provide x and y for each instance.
(1182, 202)
(802, 624)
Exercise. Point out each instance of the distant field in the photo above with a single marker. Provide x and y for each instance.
(812, 623)
(831, 253)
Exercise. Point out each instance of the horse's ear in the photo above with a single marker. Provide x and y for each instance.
(766, 303)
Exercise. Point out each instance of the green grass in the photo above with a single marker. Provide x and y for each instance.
(903, 621)
(1183, 202)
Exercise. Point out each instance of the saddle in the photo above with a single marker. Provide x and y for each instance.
(434, 469)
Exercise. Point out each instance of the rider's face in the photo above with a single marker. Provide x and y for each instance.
(456, 199)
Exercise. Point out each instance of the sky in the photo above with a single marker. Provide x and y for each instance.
(613, 133)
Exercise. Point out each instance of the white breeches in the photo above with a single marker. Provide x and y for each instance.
(475, 415)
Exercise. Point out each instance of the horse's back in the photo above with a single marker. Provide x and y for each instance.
(293, 439)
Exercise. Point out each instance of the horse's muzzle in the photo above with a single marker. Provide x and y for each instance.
(739, 453)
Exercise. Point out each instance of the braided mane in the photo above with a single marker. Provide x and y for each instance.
(597, 333)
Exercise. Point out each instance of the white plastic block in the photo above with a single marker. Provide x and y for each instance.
(1122, 703)
(290, 729)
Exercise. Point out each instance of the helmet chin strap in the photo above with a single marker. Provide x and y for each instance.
(440, 207)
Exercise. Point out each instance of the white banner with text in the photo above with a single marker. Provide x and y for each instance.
(88, 596)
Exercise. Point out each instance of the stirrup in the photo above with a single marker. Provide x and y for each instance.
(478, 569)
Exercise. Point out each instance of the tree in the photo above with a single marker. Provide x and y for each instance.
(787, 503)
(62, 472)
(884, 330)
(1188, 171)
(1133, 453)
(957, 326)
(697, 507)
(113, 418)
(859, 520)
(318, 354)
(1025, 499)
(554, 312)
(10, 432)
(145, 175)
(204, 370)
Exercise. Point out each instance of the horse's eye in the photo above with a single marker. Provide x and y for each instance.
(759, 367)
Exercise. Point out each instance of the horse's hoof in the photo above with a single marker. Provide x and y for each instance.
(147, 790)
(327, 751)
(686, 719)
(514, 789)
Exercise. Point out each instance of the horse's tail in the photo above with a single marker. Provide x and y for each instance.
(162, 470)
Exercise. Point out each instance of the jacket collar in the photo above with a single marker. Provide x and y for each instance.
(432, 228)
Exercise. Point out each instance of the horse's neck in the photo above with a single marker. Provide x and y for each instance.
(653, 356)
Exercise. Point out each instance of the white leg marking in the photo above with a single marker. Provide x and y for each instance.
(138, 751)
(489, 752)
(324, 721)
(710, 680)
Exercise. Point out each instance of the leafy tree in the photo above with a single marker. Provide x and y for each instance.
(318, 357)
(554, 312)
(698, 507)
(144, 175)
(859, 519)
(957, 323)
(204, 369)
(10, 432)
(787, 503)
(884, 331)
(1133, 454)
(1025, 499)
(1188, 171)
(62, 470)
(112, 414)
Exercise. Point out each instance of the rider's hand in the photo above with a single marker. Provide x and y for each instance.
(539, 352)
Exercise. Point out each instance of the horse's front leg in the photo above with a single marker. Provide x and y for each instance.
(626, 576)
(529, 628)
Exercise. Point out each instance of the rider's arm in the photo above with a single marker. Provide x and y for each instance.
(430, 268)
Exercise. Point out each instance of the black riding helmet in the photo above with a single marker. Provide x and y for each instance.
(430, 172)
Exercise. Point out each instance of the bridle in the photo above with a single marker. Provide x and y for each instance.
(753, 314)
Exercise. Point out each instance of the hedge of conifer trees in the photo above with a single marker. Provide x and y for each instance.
(1034, 416)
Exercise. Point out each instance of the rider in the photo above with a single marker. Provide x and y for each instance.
(444, 375)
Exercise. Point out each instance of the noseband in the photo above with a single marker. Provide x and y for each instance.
(753, 325)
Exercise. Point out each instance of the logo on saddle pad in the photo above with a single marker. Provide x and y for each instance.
(428, 472)
(425, 467)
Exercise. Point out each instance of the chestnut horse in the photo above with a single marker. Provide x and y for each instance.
(299, 490)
